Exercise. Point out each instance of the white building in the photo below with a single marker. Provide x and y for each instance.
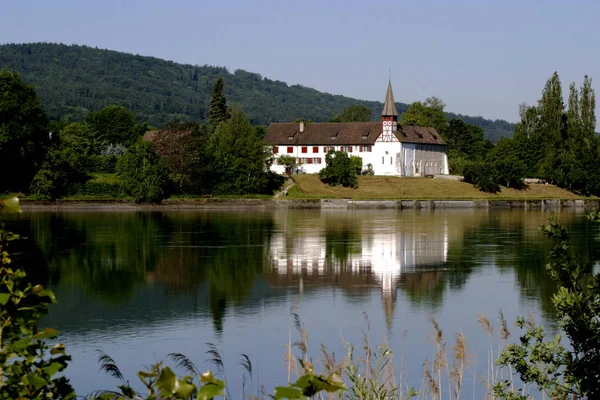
(391, 149)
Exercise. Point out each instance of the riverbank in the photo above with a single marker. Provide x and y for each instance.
(191, 204)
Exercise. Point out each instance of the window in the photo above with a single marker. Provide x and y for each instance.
(290, 149)
(391, 160)
(299, 161)
(383, 160)
(304, 149)
(309, 160)
(275, 149)
(349, 149)
(368, 148)
(317, 160)
(315, 149)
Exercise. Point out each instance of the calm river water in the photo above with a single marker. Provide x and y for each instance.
(140, 285)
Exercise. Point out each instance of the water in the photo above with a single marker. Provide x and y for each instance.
(140, 285)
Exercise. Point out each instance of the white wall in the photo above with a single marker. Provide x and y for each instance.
(387, 158)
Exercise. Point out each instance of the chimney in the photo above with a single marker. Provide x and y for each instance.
(301, 126)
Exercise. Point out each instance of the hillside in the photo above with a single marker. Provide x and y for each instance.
(74, 80)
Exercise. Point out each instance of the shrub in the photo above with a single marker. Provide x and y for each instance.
(144, 174)
(339, 170)
(482, 176)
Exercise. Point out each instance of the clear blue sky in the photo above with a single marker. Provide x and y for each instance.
(482, 57)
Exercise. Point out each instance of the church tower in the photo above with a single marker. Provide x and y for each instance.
(389, 116)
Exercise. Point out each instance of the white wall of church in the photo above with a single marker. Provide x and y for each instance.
(387, 158)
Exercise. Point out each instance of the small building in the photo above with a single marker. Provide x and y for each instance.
(390, 148)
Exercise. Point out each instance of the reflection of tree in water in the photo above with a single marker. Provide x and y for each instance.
(513, 243)
(342, 239)
(107, 254)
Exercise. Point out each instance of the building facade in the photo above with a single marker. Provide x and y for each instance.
(389, 148)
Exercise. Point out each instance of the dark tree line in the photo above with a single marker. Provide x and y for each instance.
(73, 81)
(105, 155)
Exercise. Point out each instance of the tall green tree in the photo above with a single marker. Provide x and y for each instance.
(551, 108)
(144, 175)
(588, 110)
(427, 113)
(23, 134)
(339, 170)
(574, 117)
(218, 104)
(241, 159)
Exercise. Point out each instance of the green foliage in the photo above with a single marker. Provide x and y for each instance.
(482, 176)
(114, 124)
(241, 162)
(64, 165)
(289, 162)
(74, 80)
(218, 104)
(354, 113)
(23, 135)
(29, 368)
(143, 174)
(466, 141)
(428, 113)
(339, 170)
(356, 164)
(563, 372)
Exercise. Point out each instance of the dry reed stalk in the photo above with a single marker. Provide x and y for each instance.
(487, 327)
(504, 335)
(440, 361)
(432, 386)
(460, 353)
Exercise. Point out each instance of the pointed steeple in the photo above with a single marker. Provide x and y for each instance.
(389, 107)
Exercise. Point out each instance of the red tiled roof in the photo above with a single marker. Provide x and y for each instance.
(345, 133)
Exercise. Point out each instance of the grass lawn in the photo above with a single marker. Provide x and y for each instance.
(389, 187)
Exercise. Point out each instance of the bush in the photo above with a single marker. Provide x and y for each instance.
(369, 170)
(510, 172)
(339, 170)
(144, 174)
(103, 164)
(482, 176)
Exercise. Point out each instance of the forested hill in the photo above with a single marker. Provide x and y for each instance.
(74, 80)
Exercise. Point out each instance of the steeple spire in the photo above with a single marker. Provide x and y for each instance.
(389, 107)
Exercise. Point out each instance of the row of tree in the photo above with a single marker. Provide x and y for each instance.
(50, 159)
(552, 142)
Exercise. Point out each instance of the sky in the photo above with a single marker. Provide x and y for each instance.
(481, 57)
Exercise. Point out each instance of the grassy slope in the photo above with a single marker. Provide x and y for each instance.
(387, 187)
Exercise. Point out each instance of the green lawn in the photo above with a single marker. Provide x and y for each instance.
(388, 187)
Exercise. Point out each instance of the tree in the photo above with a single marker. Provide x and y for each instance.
(241, 159)
(339, 170)
(289, 162)
(588, 110)
(184, 148)
(218, 104)
(114, 124)
(354, 113)
(144, 174)
(429, 113)
(23, 135)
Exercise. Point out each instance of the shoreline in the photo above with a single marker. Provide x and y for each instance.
(195, 204)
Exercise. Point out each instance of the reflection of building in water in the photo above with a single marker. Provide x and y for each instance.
(356, 254)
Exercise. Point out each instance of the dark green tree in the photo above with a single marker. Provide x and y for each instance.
(354, 113)
(144, 175)
(23, 135)
(114, 124)
(588, 110)
(428, 113)
(218, 104)
(241, 159)
(339, 170)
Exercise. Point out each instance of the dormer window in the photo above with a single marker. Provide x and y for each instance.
(290, 137)
(333, 137)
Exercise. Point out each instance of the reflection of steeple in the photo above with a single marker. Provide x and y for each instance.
(388, 298)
